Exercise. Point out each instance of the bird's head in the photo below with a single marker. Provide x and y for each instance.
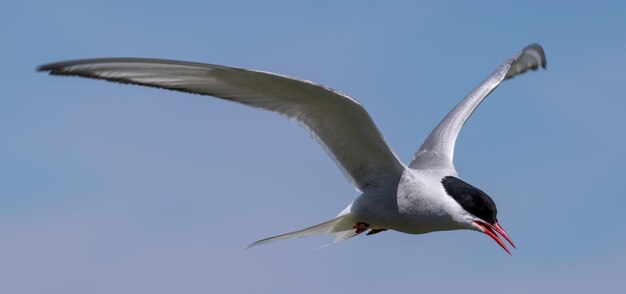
(481, 208)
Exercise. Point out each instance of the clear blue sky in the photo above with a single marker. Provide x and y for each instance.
(109, 188)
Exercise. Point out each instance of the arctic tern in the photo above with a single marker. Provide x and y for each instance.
(425, 196)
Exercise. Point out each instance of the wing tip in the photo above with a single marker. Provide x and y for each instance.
(531, 57)
(257, 243)
(62, 67)
(542, 56)
(56, 68)
(45, 68)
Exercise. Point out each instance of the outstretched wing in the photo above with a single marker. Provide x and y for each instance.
(438, 149)
(339, 123)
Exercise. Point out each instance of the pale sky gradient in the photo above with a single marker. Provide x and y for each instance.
(110, 188)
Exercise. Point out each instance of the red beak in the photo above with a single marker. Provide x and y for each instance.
(491, 230)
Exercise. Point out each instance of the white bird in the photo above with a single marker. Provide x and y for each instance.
(425, 196)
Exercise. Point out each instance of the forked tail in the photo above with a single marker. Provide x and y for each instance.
(342, 226)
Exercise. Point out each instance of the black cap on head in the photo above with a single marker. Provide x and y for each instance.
(472, 199)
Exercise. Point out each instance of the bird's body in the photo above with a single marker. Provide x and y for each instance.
(424, 196)
(416, 205)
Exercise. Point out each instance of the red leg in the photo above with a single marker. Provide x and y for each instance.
(361, 227)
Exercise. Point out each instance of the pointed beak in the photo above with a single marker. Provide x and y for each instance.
(503, 233)
(491, 230)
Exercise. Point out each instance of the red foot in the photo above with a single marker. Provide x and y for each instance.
(361, 227)
(375, 231)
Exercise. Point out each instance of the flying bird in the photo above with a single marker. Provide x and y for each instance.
(424, 196)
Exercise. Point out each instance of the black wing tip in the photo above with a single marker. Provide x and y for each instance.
(55, 68)
(46, 68)
(59, 68)
(532, 57)
(539, 49)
